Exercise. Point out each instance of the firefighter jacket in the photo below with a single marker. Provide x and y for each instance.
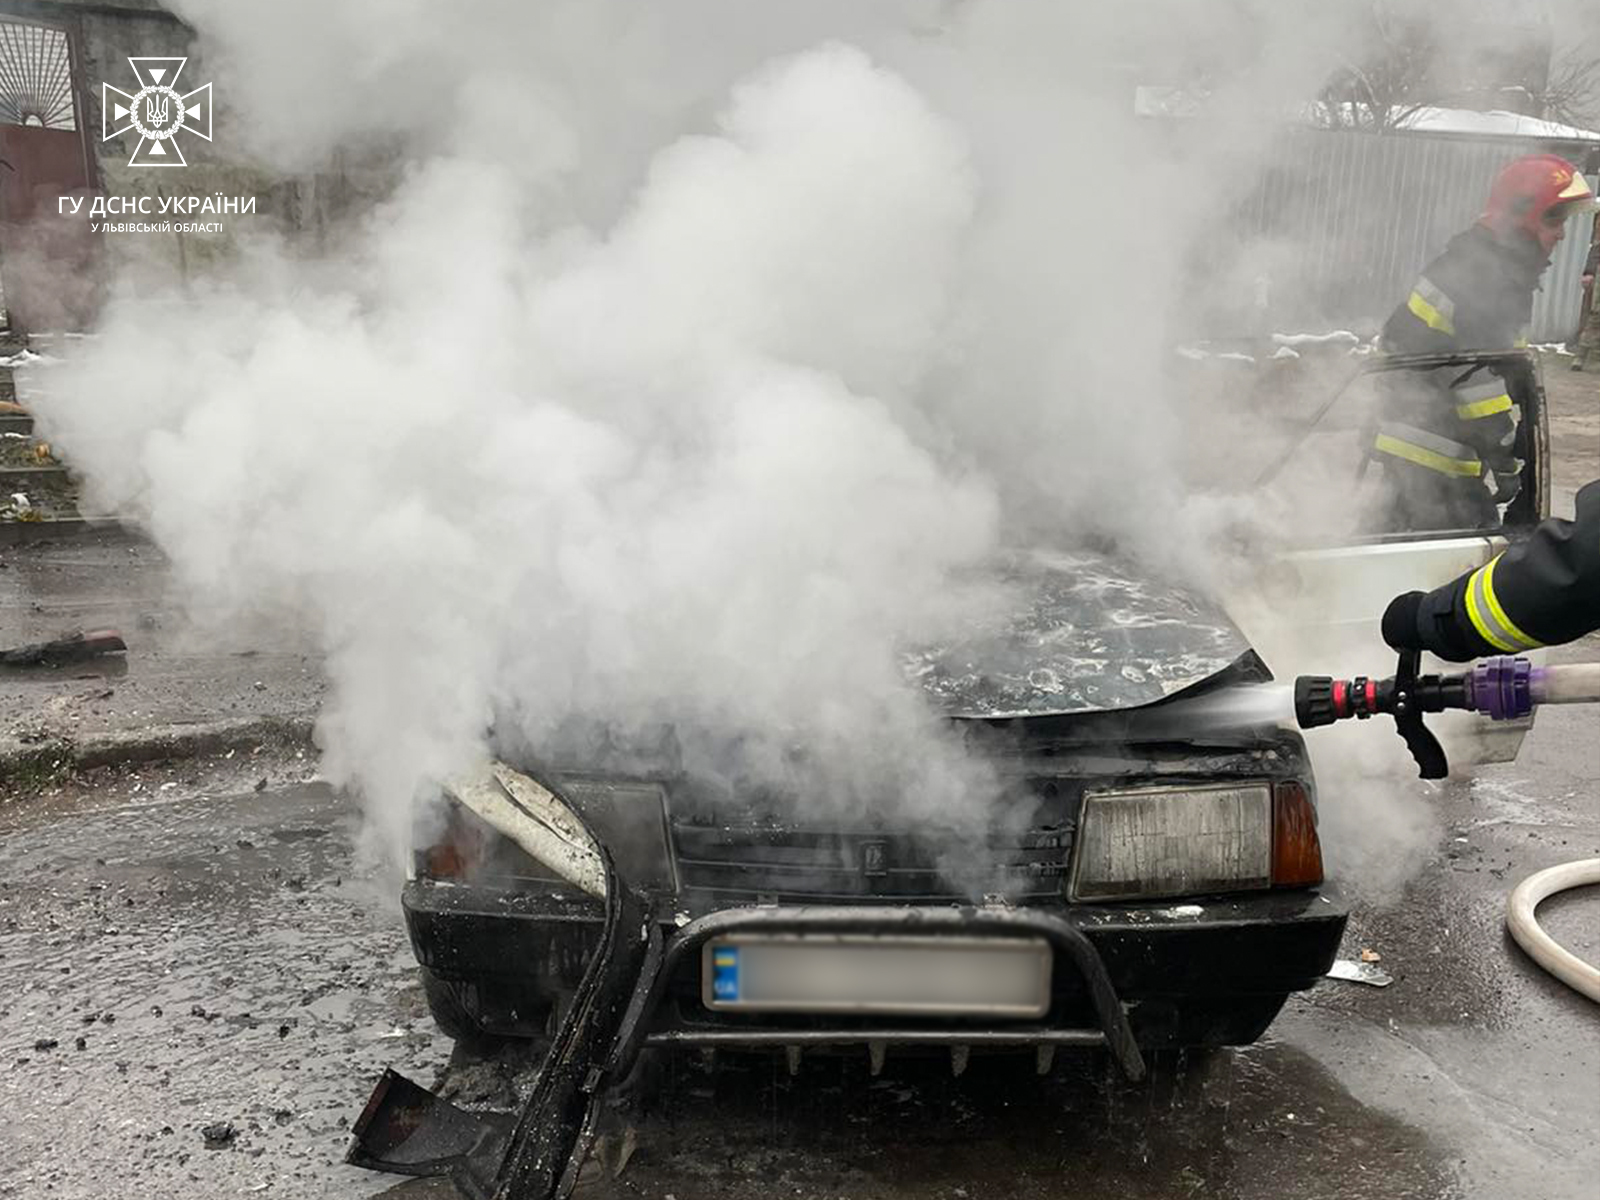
(1540, 592)
(1454, 421)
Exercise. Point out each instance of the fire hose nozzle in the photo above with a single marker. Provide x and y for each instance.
(1321, 699)
(1313, 701)
(1501, 689)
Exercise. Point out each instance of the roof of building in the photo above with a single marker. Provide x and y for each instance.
(1448, 122)
(1495, 124)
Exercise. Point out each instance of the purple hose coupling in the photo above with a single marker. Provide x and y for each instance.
(1501, 687)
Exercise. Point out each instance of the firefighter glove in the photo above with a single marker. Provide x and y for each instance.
(1400, 627)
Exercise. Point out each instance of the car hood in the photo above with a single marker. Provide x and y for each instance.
(1063, 633)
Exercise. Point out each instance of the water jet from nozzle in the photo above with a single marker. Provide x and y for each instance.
(1238, 707)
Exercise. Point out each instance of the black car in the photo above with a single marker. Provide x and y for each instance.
(1161, 887)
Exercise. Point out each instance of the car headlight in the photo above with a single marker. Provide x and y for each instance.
(499, 823)
(1150, 842)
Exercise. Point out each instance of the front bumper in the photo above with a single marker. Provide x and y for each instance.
(1143, 958)
(1266, 942)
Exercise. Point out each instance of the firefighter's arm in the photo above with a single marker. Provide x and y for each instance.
(1540, 592)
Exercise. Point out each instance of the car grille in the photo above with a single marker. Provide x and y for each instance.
(751, 861)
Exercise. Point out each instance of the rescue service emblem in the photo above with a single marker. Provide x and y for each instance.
(158, 112)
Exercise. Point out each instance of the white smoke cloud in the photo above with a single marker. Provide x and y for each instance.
(695, 351)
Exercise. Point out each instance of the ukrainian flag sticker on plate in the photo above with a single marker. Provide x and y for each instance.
(725, 972)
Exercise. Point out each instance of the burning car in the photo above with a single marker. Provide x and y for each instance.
(1153, 884)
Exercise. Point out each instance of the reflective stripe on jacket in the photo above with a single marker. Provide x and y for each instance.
(1543, 591)
(1424, 449)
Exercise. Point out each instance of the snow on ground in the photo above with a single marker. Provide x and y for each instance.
(1338, 337)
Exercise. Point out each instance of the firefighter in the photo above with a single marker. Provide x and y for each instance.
(1540, 592)
(1443, 434)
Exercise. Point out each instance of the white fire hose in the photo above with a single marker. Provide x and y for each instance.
(1540, 946)
(1567, 684)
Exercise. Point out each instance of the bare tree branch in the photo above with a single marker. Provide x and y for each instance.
(1572, 94)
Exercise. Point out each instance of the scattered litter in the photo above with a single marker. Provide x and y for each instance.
(1360, 972)
(1370, 956)
(1183, 910)
(219, 1135)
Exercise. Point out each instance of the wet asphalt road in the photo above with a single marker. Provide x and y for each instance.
(224, 958)
(183, 666)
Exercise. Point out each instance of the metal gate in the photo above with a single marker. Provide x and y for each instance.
(44, 281)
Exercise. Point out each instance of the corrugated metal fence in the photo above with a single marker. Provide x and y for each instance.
(1337, 230)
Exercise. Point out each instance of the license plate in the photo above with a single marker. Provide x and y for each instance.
(940, 976)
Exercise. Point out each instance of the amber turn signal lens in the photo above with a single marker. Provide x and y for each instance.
(1296, 852)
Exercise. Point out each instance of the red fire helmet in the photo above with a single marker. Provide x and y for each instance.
(1536, 196)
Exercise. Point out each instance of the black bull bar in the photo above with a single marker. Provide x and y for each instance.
(407, 1129)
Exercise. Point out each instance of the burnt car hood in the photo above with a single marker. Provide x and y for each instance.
(1063, 633)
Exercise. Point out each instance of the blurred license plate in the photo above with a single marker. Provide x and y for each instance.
(863, 974)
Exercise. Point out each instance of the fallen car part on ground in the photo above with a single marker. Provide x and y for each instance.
(69, 648)
(407, 1130)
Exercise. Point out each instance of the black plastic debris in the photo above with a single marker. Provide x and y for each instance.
(69, 648)
(408, 1130)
